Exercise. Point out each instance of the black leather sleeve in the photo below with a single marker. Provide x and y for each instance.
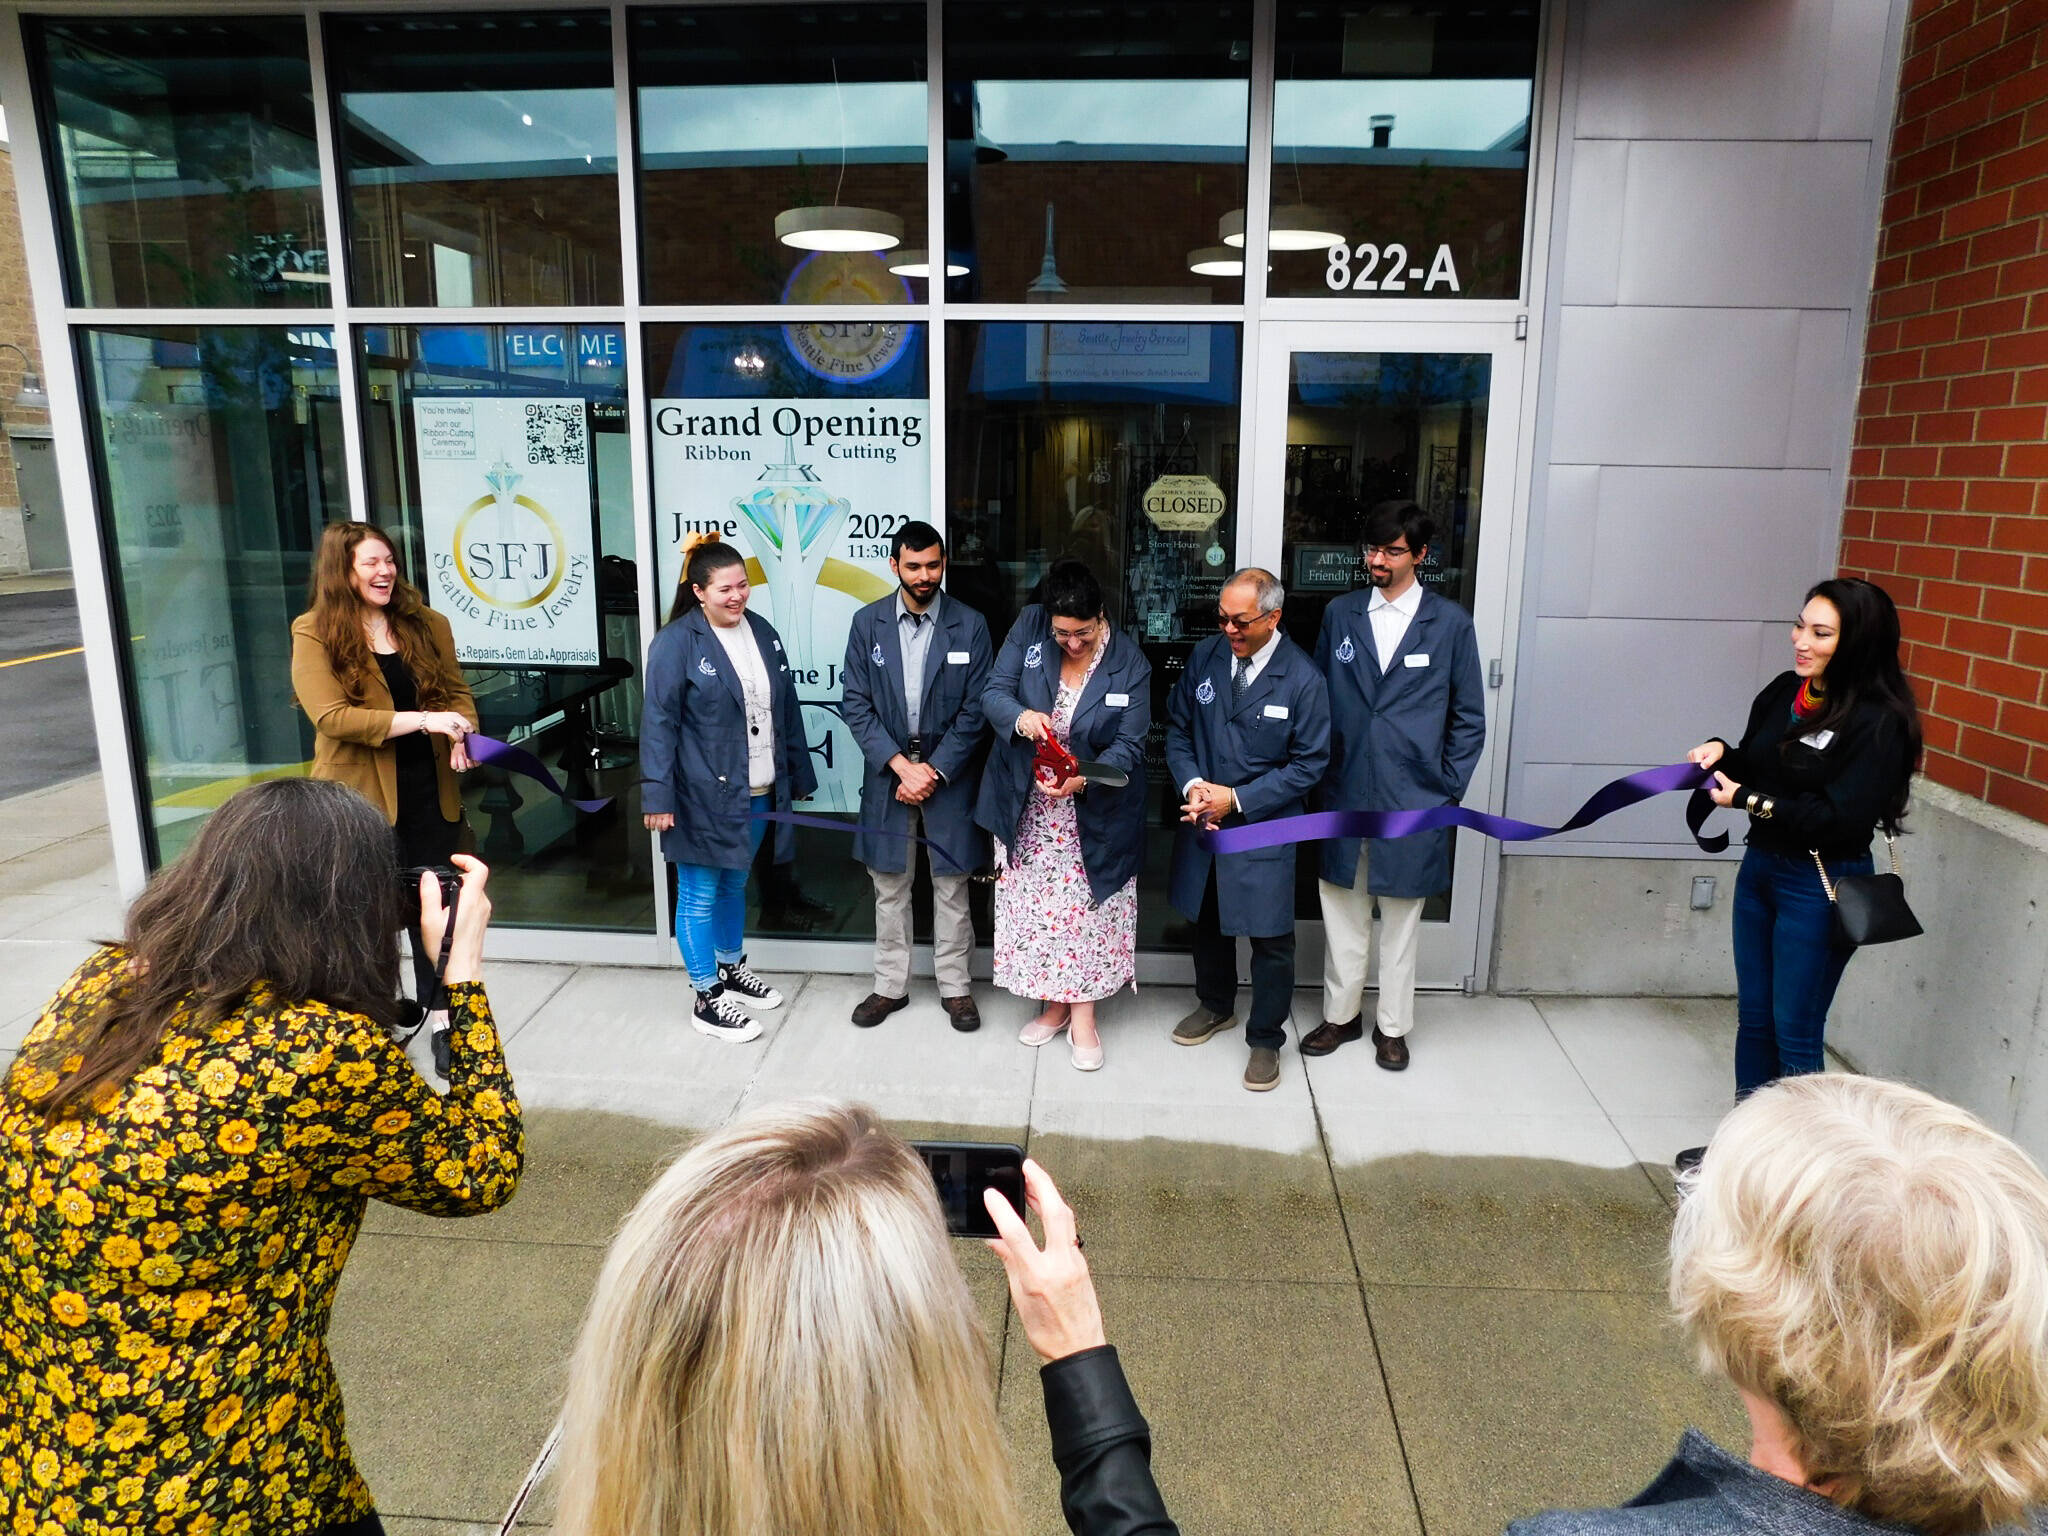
(1103, 1448)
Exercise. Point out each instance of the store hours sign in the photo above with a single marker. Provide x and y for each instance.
(811, 491)
(506, 505)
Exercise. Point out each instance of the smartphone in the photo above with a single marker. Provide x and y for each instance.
(961, 1170)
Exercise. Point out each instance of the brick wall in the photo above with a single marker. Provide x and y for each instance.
(1948, 479)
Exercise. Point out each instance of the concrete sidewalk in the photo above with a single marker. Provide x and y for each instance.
(1365, 1302)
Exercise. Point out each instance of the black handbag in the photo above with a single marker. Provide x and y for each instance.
(1869, 909)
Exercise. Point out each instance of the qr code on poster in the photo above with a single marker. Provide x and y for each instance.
(554, 433)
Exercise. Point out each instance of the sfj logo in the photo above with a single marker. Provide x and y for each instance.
(508, 566)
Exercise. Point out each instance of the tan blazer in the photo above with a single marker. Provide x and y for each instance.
(349, 743)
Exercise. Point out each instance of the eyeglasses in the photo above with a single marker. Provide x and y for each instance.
(1073, 636)
(1251, 621)
(1391, 551)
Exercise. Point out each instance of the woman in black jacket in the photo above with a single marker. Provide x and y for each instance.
(1828, 754)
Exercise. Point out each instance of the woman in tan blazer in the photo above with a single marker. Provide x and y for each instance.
(374, 668)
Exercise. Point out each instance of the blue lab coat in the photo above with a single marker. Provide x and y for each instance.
(1404, 740)
(872, 703)
(1271, 748)
(693, 744)
(1111, 720)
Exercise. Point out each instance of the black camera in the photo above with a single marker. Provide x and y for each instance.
(409, 889)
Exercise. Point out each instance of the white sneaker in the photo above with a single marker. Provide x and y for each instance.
(722, 1018)
(749, 988)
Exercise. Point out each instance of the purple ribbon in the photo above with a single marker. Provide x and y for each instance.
(488, 749)
(1314, 826)
(826, 824)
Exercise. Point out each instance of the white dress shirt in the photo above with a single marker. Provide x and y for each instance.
(1255, 664)
(1390, 618)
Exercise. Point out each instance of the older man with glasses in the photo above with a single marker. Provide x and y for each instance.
(1248, 737)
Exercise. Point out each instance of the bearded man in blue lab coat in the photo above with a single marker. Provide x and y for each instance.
(1247, 738)
(1409, 719)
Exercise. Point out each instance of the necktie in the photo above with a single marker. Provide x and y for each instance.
(1240, 679)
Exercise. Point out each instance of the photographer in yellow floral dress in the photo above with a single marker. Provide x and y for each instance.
(190, 1134)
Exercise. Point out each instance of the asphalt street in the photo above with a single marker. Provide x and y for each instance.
(45, 712)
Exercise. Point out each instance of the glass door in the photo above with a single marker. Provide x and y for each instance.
(1353, 414)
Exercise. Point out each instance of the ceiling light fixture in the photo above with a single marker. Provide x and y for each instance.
(914, 261)
(1294, 227)
(1216, 261)
(835, 226)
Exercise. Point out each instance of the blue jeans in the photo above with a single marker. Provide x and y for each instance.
(711, 909)
(1787, 965)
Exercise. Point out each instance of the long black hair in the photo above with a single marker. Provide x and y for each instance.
(1865, 670)
(293, 882)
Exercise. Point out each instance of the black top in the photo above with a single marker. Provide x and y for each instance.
(419, 786)
(1828, 796)
(1103, 1448)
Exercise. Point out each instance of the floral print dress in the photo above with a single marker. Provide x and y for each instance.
(168, 1259)
(1052, 941)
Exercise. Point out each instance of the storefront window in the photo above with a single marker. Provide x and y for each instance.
(499, 457)
(1093, 152)
(1401, 150)
(479, 152)
(782, 154)
(805, 447)
(1113, 444)
(219, 459)
(183, 155)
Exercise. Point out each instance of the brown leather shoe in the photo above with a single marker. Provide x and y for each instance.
(874, 1008)
(1262, 1072)
(1390, 1051)
(961, 1010)
(1327, 1036)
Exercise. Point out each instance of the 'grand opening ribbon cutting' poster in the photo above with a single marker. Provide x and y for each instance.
(506, 505)
(811, 491)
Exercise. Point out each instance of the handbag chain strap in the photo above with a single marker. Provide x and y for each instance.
(1891, 843)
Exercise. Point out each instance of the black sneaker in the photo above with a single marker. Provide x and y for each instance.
(722, 1018)
(751, 989)
(439, 1041)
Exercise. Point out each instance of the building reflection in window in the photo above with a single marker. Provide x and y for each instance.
(1112, 443)
(480, 154)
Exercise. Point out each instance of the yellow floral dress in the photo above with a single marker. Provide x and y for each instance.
(168, 1261)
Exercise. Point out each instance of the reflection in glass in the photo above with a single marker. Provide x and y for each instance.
(806, 447)
(1113, 444)
(782, 154)
(184, 154)
(1367, 427)
(219, 458)
(1401, 150)
(498, 456)
(1092, 150)
(480, 157)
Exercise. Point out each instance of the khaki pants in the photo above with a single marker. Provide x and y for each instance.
(1347, 949)
(952, 927)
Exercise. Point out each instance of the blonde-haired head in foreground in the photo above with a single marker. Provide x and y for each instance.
(782, 1342)
(1874, 1262)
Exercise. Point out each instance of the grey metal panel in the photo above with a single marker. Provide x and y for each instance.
(1736, 69)
(1708, 543)
(1823, 391)
(1760, 225)
(1855, 86)
(1636, 690)
(1674, 386)
(1599, 193)
(1570, 520)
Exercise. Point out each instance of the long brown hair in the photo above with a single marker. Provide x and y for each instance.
(293, 883)
(337, 613)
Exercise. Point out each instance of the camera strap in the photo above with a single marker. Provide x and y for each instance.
(447, 946)
(534, 1474)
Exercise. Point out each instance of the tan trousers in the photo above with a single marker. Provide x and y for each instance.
(1347, 950)
(952, 927)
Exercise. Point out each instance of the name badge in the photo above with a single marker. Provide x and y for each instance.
(1818, 740)
(1275, 711)
(1116, 700)
(1416, 659)
(956, 658)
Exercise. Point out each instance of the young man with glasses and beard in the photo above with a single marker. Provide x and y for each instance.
(1408, 712)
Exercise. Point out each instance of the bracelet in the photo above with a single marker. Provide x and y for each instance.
(1763, 812)
(1749, 802)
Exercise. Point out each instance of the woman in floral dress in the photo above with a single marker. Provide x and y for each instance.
(1066, 902)
(188, 1139)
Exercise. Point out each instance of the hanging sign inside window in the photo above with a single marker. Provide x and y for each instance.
(1183, 503)
(506, 506)
(1369, 268)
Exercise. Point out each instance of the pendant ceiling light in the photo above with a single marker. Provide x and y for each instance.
(1216, 261)
(835, 226)
(1295, 227)
(914, 261)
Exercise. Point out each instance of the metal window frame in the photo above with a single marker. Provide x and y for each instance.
(1258, 536)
